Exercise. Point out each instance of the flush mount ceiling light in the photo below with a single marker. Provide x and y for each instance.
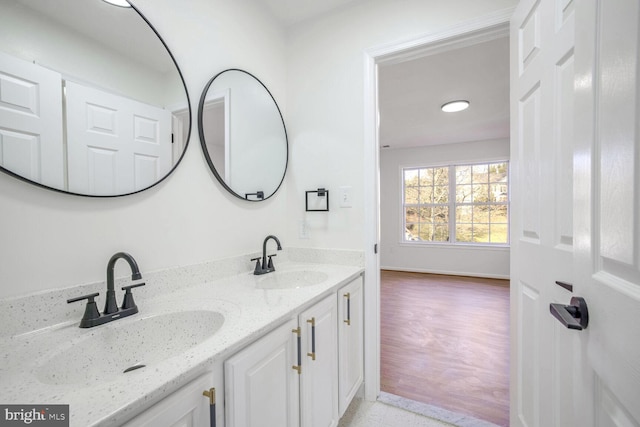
(454, 106)
(120, 3)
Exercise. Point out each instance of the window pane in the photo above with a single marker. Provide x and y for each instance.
(499, 214)
(498, 172)
(426, 194)
(411, 195)
(480, 193)
(411, 215)
(410, 232)
(426, 177)
(480, 173)
(481, 233)
(481, 213)
(441, 232)
(441, 194)
(499, 233)
(464, 232)
(464, 214)
(426, 215)
(463, 194)
(441, 214)
(426, 232)
(463, 174)
(441, 176)
(411, 177)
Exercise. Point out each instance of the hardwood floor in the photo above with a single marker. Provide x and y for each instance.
(445, 342)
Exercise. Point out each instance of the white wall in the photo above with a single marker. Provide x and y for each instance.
(325, 95)
(445, 258)
(51, 240)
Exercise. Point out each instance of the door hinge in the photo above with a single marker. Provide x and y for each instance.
(375, 248)
(172, 138)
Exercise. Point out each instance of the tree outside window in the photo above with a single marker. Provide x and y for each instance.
(457, 204)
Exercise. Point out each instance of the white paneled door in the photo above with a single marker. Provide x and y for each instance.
(575, 220)
(115, 145)
(31, 143)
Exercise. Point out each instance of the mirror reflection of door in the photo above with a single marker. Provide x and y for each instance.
(82, 109)
(216, 130)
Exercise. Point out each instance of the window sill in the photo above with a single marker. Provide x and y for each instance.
(444, 245)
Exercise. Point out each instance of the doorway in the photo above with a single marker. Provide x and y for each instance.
(467, 35)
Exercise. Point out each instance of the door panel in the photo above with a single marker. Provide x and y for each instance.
(607, 200)
(31, 121)
(115, 145)
(542, 241)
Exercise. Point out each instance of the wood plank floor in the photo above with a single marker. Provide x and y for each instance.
(445, 342)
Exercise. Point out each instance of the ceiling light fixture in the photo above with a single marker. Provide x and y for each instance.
(120, 3)
(454, 106)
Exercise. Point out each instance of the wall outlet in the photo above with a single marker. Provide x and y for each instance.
(346, 197)
(303, 229)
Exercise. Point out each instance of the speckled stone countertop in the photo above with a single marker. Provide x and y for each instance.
(49, 360)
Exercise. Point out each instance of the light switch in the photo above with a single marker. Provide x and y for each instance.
(346, 197)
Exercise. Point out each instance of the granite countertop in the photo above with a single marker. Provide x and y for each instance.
(55, 365)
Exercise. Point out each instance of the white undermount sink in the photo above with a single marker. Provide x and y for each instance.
(291, 279)
(107, 351)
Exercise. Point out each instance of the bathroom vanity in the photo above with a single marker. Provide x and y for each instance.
(286, 345)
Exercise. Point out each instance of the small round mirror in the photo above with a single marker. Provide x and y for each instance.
(243, 135)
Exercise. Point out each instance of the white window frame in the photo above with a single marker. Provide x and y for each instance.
(452, 204)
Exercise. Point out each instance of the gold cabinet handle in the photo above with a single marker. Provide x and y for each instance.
(312, 355)
(211, 394)
(298, 367)
(348, 297)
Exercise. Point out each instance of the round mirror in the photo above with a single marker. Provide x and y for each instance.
(91, 100)
(243, 135)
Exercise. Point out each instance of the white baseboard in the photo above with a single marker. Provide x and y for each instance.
(447, 273)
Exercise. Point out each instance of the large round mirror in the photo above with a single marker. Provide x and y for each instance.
(91, 100)
(243, 135)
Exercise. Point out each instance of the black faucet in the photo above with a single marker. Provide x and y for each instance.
(92, 316)
(111, 306)
(266, 266)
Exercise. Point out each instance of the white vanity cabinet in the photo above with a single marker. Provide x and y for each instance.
(187, 407)
(281, 381)
(350, 341)
(261, 386)
(319, 376)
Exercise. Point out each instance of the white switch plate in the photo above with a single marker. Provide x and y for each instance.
(346, 197)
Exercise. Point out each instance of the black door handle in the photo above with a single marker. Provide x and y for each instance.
(573, 316)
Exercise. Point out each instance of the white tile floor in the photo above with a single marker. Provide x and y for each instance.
(395, 411)
(378, 414)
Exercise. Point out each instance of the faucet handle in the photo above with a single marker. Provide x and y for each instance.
(258, 265)
(127, 302)
(91, 310)
(270, 264)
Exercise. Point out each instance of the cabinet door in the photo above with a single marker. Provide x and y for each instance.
(350, 341)
(186, 407)
(261, 386)
(319, 377)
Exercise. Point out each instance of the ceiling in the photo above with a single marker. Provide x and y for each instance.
(412, 92)
(290, 12)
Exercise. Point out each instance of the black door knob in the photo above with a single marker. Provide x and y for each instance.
(573, 316)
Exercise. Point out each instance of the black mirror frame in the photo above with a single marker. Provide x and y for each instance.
(186, 145)
(204, 144)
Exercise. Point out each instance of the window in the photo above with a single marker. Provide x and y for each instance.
(466, 204)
